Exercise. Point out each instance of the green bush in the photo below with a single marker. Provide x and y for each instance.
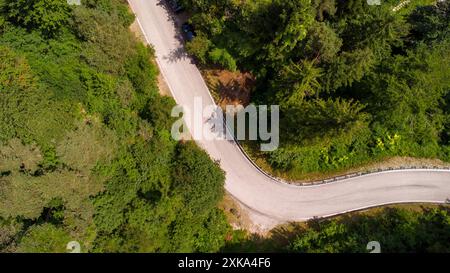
(44, 238)
(199, 48)
(49, 16)
(223, 58)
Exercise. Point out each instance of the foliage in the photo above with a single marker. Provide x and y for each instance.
(397, 230)
(223, 58)
(430, 23)
(44, 238)
(49, 16)
(348, 76)
(322, 43)
(85, 148)
(199, 47)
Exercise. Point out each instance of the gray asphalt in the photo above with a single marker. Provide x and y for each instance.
(267, 201)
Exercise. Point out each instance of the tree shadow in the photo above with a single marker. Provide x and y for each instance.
(217, 125)
(177, 55)
(278, 240)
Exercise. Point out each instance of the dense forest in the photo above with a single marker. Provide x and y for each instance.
(397, 230)
(86, 153)
(356, 83)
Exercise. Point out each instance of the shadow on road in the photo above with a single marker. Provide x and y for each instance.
(177, 20)
(176, 55)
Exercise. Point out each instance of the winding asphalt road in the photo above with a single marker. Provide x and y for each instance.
(270, 202)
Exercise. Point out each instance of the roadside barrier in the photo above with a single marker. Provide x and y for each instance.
(337, 178)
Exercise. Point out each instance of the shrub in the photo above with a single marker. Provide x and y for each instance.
(222, 57)
(47, 16)
(199, 48)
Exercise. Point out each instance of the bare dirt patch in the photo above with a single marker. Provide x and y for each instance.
(136, 29)
(163, 87)
(236, 215)
(229, 88)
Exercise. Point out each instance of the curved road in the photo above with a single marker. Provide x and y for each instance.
(267, 201)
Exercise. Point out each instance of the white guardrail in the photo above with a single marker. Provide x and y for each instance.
(336, 178)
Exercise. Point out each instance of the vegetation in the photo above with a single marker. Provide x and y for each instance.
(356, 83)
(85, 147)
(398, 230)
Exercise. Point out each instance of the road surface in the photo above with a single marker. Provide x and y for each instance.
(270, 202)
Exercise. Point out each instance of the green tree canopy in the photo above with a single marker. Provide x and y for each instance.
(48, 16)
